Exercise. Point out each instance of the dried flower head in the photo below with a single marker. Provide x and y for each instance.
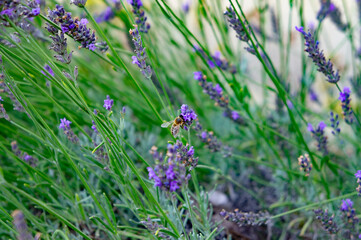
(21, 226)
(245, 218)
(327, 221)
(319, 135)
(305, 164)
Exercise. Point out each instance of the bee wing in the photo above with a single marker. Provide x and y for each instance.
(165, 125)
(175, 130)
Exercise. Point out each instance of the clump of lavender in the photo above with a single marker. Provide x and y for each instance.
(216, 93)
(74, 27)
(17, 105)
(319, 135)
(170, 172)
(154, 227)
(188, 116)
(235, 23)
(358, 177)
(327, 221)
(345, 104)
(334, 123)
(32, 161)
(305, 164)
(19, 13)
(245, 218)
(140, 18)
(349, 212)
(211, 141)
(3, 113)
(65, 125)
(216, 60)
(141, 56)
(79, 3)
(318, 57)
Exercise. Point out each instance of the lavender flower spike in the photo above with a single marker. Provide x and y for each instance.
(319, 135)
(349, 212)
(305, 164)
(141, 56)
(318, 57)
(3, 113)
(140, 18)
(327, 221)
(334, 124)
(65, 125)
(79, 3)
(345, 104)
(235, 23)
(358, 177)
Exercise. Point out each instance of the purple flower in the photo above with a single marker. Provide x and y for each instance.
(322, 125)
(185, 6)
(8, 12)
(1, 99)
(141, 57)
(309, 127)
(334, 123)
(173, 186)
(140, 18)
(218, 89)
(106, 15)
(94, 127)
(79, 3)
(188, 115)
(214, 92)
(204, 135)
(346, 205)
(358, 174)
(48, 69)
(235, 23)
(190, 151)
(73, 26)
(235, 115)
(170, 175)
(84, 21)
(92, 47)
(64, 124)
(152, 174)
(318, 57)
(36, 11)
(108, 103)
(345, 104)
(198, 75)
(170, 172)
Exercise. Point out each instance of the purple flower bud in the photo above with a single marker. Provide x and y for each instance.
(170, 173)
(64, 124)
(36, 11)
(346, 205)
(108, 103)
(235, 115)
(198, 75)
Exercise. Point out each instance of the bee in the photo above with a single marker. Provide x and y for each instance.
(177, 123)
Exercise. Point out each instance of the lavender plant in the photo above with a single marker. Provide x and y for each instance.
(78, 173)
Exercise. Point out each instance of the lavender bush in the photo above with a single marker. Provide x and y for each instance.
(194, 120)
